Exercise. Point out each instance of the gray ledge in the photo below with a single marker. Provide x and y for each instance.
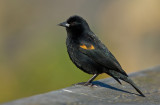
(109, 92)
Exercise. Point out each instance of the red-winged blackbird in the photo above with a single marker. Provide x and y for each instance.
(89, 54)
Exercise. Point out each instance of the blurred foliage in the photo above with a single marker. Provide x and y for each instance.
(33, 56)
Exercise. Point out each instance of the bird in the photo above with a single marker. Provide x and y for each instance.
(89, 54)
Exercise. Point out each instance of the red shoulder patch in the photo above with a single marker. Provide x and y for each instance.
(91, 47)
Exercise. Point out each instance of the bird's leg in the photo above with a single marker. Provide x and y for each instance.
(90, 80)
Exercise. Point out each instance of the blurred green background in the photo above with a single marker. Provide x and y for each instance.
(33, 56)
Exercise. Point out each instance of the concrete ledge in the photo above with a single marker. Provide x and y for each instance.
(109, 92)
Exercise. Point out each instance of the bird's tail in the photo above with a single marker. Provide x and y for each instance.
(117, 76)
(128, 80)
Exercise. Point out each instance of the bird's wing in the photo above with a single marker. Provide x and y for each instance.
(101, 55)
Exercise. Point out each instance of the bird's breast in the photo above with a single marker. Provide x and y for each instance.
(81, 60)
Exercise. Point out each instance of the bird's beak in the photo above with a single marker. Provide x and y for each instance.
(64, 24)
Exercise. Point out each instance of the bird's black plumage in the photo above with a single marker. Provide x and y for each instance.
(89, 54)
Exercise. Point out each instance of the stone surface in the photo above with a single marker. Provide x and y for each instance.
(109, 92)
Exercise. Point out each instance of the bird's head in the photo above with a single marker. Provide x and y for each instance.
(75, 25)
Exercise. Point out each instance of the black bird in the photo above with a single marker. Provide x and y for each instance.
(89, 54)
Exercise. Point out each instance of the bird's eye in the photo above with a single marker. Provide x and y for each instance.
(73, 23)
